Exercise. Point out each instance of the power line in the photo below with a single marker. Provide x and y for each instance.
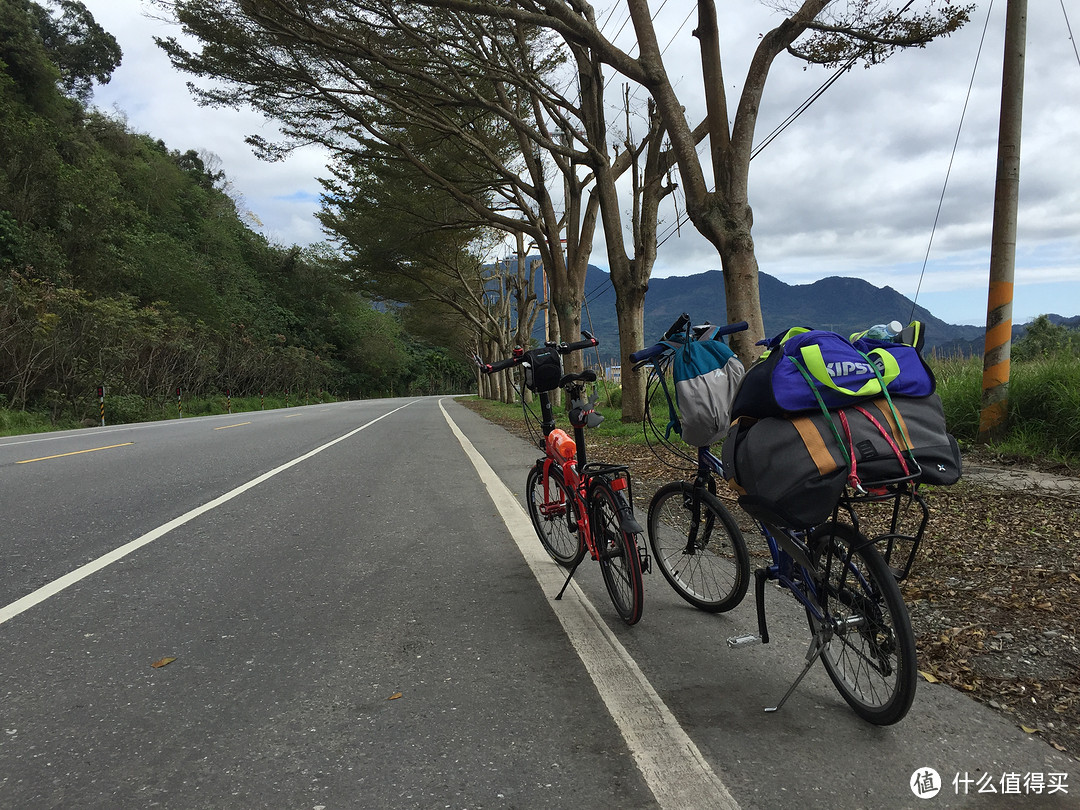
(772, 136)
(956, 141)
(1069, 29)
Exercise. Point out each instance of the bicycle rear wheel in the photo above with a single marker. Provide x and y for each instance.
(705, 561)
(869, 644)
(618, 551)
(553, 517)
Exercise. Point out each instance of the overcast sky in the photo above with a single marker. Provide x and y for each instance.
(852, 188)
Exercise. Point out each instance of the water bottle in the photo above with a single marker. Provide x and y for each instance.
(560, 445)
(883, 331)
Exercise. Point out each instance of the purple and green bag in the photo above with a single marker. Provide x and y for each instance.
(802, 369)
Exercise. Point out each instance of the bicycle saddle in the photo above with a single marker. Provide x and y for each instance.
(585, 376)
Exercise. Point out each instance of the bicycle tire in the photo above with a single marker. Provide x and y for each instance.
(553, 517)
(714, 575)
(870, 656)
(617, 551)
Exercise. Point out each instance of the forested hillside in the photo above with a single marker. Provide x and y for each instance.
(124, 262)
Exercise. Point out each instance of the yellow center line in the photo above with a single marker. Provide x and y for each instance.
(291, 415)
(226, 427)
(74, 453)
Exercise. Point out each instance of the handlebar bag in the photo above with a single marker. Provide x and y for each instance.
(802, 365)
(706, 374)
(544, 369)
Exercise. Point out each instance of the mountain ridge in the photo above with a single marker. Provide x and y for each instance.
(837, 303)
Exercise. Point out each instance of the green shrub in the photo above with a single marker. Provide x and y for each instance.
(125, 409)
(1044, 405)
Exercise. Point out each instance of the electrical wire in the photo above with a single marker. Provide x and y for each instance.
(1068, 28)
(772, 136)
(952, 157)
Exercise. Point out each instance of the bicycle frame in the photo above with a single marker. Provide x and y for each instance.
(791, 566)
(593, 491)
(577, 474)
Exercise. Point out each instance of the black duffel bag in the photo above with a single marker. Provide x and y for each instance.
(791, 471)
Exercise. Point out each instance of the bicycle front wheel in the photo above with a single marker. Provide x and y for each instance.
(698, 546)
(869, 644)
(617, 551)
(552, 512)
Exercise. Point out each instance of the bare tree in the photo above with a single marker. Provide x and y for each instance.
(373, 79)
(827, 32)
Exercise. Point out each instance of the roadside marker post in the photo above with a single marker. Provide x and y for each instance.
(228, 400)
(179, 404)
(101, 398)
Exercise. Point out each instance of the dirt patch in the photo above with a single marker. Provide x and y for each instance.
(994, 592)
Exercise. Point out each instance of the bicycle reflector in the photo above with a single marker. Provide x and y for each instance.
(560, 445)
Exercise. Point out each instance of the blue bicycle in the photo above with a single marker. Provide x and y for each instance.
(860, 628)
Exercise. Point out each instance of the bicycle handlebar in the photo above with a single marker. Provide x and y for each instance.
(588, 343)
(650, 352)
(677, 327)
(498, 365)
(520, 354)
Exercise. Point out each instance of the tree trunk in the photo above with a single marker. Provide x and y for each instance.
(728, 228)
(630, 307)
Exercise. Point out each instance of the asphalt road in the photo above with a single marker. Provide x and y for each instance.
(347, 609)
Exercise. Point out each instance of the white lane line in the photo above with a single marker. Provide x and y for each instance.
(9, 612)
(672, 765)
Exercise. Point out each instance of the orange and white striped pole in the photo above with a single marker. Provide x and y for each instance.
(998, 347)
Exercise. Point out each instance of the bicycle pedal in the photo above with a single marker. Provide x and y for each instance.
(744, 640)
(645, 559)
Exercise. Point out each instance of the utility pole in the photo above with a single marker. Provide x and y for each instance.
(998, 347)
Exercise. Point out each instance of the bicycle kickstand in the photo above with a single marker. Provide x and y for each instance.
(817, 647)
(569, 577)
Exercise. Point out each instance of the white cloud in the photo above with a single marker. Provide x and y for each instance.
(851, 188)
(155, 100)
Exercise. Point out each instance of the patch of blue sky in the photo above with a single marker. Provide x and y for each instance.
(299, 196)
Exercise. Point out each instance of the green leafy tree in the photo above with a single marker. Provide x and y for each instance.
(82, 50)
(1044, 338)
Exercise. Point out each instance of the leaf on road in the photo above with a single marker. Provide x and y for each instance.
(930, 678)
(1029, 730)
(164, 662)
(395, 696)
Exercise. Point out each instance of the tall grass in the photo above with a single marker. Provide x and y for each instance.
(1044, 406)
(18, 423)
(125, 410)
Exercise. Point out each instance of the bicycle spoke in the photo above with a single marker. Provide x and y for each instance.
(870, 652)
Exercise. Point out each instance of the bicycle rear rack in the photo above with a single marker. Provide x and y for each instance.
(618, 477)
(903, 530)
